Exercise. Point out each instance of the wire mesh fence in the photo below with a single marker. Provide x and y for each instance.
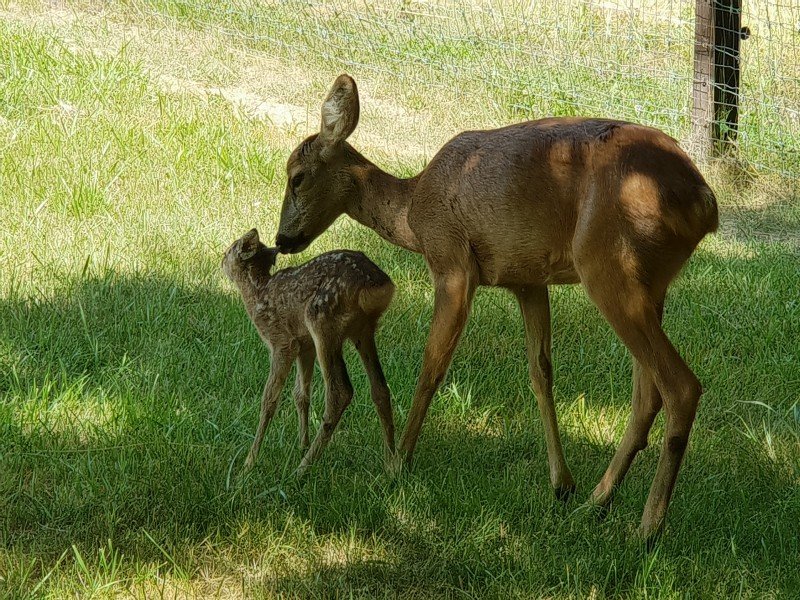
(627, 59)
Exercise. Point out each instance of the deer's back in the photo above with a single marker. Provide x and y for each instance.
(519, 197)
(338, 269)
(332, 286)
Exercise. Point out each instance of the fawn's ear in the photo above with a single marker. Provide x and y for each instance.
(339, 111)
(249, 245)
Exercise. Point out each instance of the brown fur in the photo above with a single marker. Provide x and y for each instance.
(309, 311)
(615, 206)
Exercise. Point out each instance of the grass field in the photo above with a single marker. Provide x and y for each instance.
(137, 142)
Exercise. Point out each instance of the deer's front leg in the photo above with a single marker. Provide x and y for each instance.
(454, 292)
(534, 302)
(280, 364)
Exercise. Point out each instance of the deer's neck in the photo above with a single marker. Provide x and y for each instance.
(252, 284)
(381, 202)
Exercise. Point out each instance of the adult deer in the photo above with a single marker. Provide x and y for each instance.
(615, 206)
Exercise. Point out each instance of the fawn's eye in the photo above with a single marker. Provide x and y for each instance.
(297, 180)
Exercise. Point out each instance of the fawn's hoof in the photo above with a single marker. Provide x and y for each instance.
(597, 508)
(601, 496)
(564, 492)
(399, 462)
(600, 501)
(649, 533)
(396, 464)
(563, 484)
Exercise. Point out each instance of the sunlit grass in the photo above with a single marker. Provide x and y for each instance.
(130, 375)
(517, 59)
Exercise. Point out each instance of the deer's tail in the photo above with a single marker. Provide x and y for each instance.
(376, 299)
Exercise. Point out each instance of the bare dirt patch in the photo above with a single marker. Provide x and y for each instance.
(257, 86)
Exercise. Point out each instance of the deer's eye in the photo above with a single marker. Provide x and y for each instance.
(297, 180)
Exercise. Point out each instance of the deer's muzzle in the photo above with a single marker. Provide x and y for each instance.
(291, 244)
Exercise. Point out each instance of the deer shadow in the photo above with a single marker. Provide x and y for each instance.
(130, 400)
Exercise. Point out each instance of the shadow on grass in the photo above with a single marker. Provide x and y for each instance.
(770, 214)
(129, 401)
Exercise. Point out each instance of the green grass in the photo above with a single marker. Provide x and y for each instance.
(130, 375)
(519, 60)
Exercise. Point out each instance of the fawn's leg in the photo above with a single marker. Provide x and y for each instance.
(338, 394)
(635, 316)
(534, 302)
(454, 292)
(302, 392)
(280, 364)
(646, 403)
(365, 344)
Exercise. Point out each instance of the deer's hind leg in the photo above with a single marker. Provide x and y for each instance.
(381, 397)
(338, 390)
(645, 405)
(634, 312)
(302, 392)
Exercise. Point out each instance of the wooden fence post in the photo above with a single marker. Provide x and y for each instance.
(715, 87)
(728, 33)
(703, 80)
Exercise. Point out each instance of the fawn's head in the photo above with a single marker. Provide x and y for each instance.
(248, 254)
(318, 182)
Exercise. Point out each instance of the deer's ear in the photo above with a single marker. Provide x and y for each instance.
(249, 245)
(339, 111)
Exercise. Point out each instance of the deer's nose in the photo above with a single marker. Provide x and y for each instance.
(281, 241)
(290, 244)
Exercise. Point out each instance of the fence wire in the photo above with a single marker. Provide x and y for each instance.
(627, 59)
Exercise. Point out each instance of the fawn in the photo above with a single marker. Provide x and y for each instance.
(306, 312)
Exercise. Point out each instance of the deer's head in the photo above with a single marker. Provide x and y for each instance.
(248, 254)
(319, 183)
